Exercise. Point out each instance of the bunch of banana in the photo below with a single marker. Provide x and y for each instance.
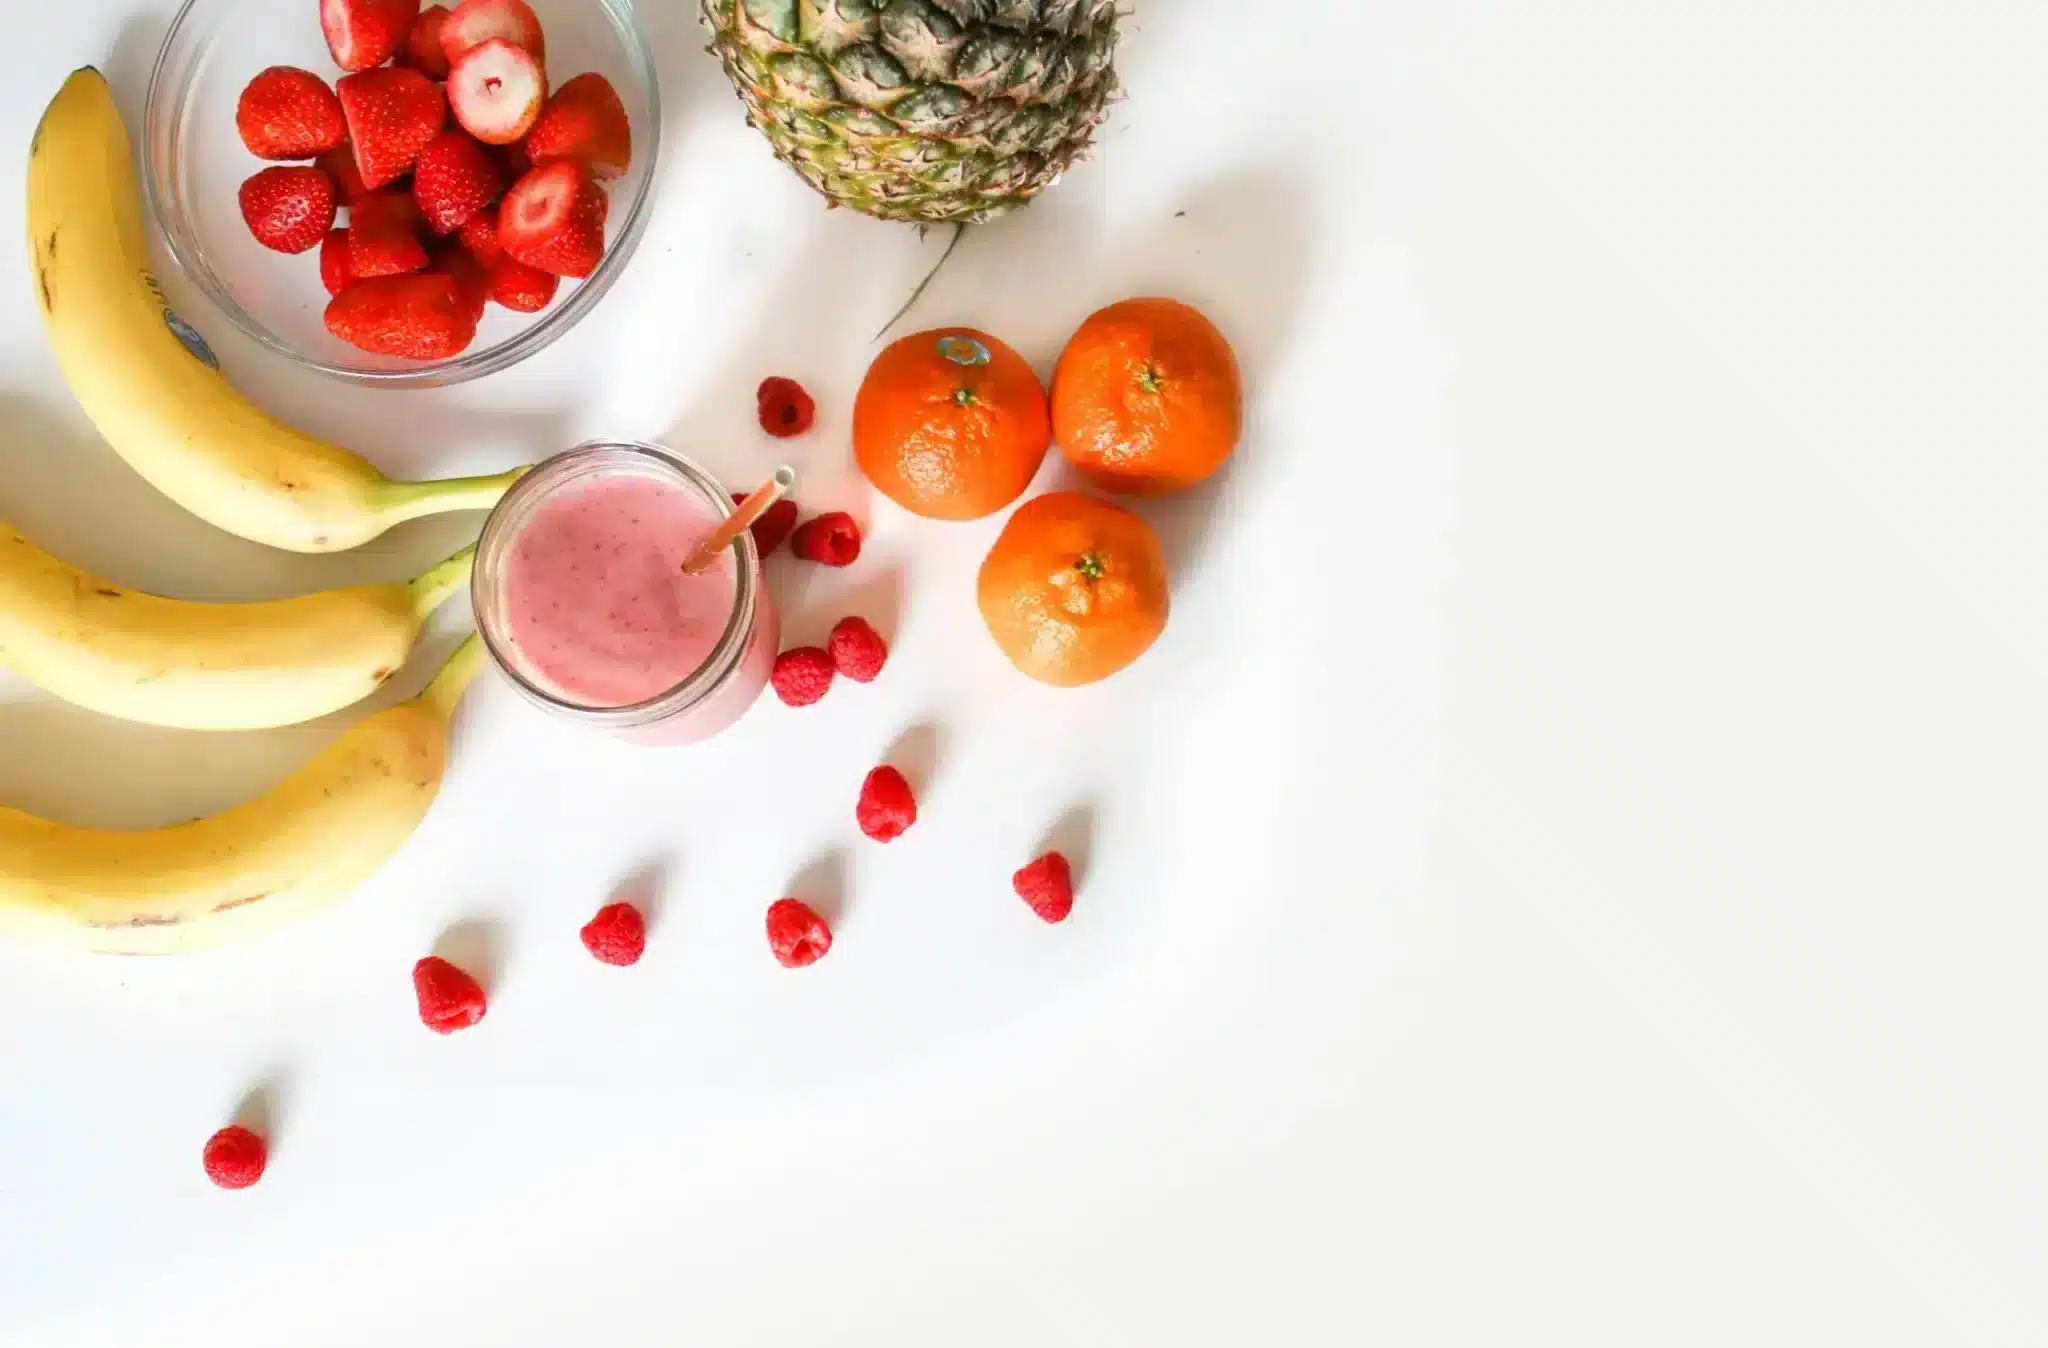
(151, 386)
(206, 666)
(251, 869)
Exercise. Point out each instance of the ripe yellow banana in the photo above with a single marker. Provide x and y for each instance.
(206, 666)
(249, 870)
(149, 383)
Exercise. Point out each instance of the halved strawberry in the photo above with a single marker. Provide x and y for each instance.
(585, 121)
(418, 317)
(339, 164)
(495, 90)
(479, 235)
(392, 115)
(335, 272)
(478, 21)
(288, 113)
(422, 50)
(453, 180)
(288, 209)
(553, 218)
(472, 279)
(362, 34)
(384, 231)
(522, 288)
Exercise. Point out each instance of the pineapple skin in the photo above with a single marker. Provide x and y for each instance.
(928, 111)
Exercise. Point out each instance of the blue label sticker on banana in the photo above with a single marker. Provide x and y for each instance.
(194, 343)
(183, 331)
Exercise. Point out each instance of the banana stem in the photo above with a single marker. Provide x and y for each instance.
(447, 686)
(431, 588)
(399, 501)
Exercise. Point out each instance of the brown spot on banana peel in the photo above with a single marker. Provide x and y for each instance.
(111, 594)
(380, 673)
(141, 920)
(227, 904)
(50, 247)
(43, 285)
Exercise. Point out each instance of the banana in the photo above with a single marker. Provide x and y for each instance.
(148, 381)
(206, 666)
(249, 870)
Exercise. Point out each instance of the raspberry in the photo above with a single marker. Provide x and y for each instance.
(450, 999)
(235, 1157)
(1047, 884)
(802, 675)
(773, 526)
(783, 407)
(797, 935)
(858, 650)
(617, 935)
(886, 806)
(832, 539)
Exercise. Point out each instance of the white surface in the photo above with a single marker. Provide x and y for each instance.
(1571, 871)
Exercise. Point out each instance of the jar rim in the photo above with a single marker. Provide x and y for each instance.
(563, 470)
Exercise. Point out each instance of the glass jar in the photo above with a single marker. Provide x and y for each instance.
(704, 702)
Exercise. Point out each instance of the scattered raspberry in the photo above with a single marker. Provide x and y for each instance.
(797, 935)
(617, 935)
(832, 539)
(858, 650)
(450, 999)
(773, 526)
(802, 676)
(783, 406)
(1047, 884)
(235, 1157)
(886, 806)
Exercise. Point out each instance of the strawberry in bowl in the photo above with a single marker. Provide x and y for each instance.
(439, 153)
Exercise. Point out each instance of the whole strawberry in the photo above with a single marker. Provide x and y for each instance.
(584, 121)
(288, 209)
(288, 113)
(392, 115)
(422, 317)
(363, 34)
(452, 180)
(553, 219)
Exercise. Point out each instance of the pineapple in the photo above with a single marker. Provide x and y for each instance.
(933, 111)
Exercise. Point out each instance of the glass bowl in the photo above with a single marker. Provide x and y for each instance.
(194, 162)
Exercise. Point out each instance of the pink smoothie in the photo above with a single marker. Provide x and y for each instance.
(595, 594)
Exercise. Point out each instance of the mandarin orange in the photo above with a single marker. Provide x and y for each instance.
(1074, 589)
(950, 424)
(1147, 397)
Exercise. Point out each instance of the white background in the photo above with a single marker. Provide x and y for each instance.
(1571, 871)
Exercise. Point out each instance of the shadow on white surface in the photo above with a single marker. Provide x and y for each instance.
(478, 947)
(821, 883)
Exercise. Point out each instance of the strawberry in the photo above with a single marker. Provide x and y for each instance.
(496, 90)
(363, 34)
(521, 288)
(288, 113)
(422, 50)
(335, 272)
(339, 164)
(384, 235)
(419, 317)
(553, 218)
(512, 160)
(584, 121)
(453, 180)
(288, 209)
(392, 115)
(479, 234)
(472, 279)
(478, 21)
